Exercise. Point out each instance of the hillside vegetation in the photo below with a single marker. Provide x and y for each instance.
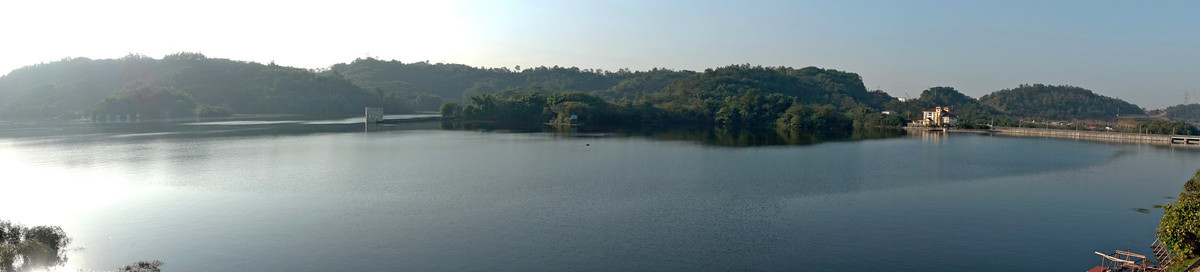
(1050, 102)
(190, 84)
(423, 81)
(1187, 113)
(809, 85)
(968, 110)
(75, 87)
(742, 96)
(1179, 228)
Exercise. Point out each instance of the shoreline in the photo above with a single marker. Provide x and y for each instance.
(1192, 141)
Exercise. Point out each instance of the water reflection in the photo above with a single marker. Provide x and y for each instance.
(451, 198)
(729, 137)
(494, 127)
(88, 133)
(31, 248)
(932, 137)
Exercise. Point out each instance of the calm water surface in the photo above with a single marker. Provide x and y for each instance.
(327, 196)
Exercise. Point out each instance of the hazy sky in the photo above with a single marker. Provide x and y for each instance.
(1146, 52)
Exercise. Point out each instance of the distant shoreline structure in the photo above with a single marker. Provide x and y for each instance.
(1086, 135)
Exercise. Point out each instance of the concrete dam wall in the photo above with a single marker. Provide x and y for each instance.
(1101, 136)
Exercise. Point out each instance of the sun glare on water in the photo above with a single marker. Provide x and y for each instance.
(50, 194)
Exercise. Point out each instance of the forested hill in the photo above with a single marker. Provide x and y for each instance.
(1050, 102)
(808, 85)
(429, 84)
(187, 84)
(967, 109)
(1188, 112)
(193, 83)
(743, 96)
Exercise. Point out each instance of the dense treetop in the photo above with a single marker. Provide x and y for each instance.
(642, 83)
(809, 85)
(740, 96)
(31, 248)
(1051, 102)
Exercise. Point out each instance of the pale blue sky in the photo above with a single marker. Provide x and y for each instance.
(1145, 52)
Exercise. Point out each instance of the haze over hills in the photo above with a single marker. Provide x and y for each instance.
(74, 87)
(422, 81)
(898, 47)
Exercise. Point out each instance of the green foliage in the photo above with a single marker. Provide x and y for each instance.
(1050, 102)
(32, 248)
(452, 81)
(813, 118)
(523, 109)
(67, 88)
(739, 96)
(944, 96)
(450, 110)
(753, 109)
(1193, 185)
(565, 110)
(643, 83)
(1167, 128)
(1188, 113)
(864, 116)
(1179, 228)
(400, 79)
(532, 108)
(809, 85)
(300, 91)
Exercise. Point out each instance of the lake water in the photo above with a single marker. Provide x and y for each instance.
(334, 196)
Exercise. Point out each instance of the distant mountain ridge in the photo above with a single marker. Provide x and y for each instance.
(79, 86)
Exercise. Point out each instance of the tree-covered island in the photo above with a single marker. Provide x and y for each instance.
(739, 96)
